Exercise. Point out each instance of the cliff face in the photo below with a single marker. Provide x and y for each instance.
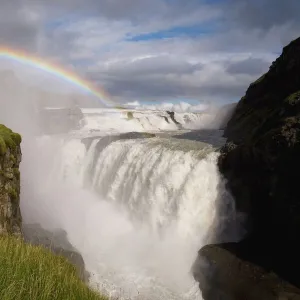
(10, 158)
(261, 163)
(261, 159)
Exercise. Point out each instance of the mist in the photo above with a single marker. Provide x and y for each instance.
(138, 221)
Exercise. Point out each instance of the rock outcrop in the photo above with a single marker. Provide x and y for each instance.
(10, 158)
(172, 116)
(223, 275)
(261, 163)
(58, 243)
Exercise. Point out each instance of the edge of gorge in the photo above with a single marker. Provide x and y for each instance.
(260, 163)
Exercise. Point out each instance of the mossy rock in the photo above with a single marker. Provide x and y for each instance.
(129, 115)
(293, 99)
(13, 193)
(8, 139)
(16, 172)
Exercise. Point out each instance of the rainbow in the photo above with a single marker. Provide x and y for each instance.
(58, 71)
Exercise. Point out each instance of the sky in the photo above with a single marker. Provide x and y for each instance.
(155, 51)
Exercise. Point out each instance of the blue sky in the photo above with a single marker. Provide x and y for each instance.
(155, 51)
(192, 31)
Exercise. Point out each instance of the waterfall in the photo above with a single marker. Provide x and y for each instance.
(138, 210)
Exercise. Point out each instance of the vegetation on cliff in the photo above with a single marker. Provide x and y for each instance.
(10, 158)
(8, 139)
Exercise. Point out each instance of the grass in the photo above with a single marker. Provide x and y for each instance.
(33, 273)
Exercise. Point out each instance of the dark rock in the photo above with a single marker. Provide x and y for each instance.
(57, 242)
(172, 116)
(261, 163)
(223, 275)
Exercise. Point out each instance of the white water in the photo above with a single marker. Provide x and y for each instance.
(114, 120)
(138, 219)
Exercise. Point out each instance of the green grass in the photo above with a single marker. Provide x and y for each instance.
(33, 273)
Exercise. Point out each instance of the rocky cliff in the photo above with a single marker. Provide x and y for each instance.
(10, 158)
(261, 163)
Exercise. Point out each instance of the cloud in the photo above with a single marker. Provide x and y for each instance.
(142, 50)
(264, 14)
(251, 66)
(19, 25)
(164, 77)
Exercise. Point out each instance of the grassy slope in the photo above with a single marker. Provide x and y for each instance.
(33, 273)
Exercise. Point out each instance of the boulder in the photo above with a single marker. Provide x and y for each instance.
(222, 274)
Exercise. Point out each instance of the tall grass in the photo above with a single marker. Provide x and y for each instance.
(33, 273)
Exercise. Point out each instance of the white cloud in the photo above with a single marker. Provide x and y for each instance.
(92, 37)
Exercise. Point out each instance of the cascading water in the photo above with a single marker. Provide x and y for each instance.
(109, 120)
(138, 209)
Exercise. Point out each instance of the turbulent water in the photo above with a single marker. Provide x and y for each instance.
(138, 209)
(112, 120)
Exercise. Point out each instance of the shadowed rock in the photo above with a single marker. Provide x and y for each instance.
(172, 116)
(223, 275)
(261, 164)
(57, 242)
